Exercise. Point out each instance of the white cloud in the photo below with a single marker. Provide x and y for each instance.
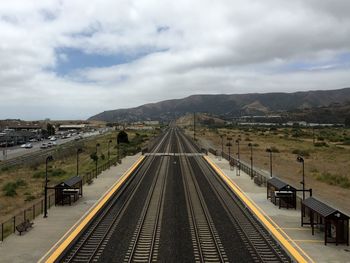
(234, 46)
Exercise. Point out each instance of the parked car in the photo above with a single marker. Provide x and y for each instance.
(23, 145)
(53, 138)
(33, 140)
(49, 144)
(28, 146)
(43, 146)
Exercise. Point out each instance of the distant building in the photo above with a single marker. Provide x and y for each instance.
(151, 122)
(139, 127)
(68, 127)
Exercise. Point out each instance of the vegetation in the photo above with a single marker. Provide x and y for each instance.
(9, 188)
(122, 137)
(334, 179)
(13, 180)
(304, 153)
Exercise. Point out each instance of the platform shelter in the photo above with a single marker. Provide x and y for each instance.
(281, 193)
(334, 223)
(68, 191)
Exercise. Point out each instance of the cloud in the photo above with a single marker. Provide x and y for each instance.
(162, 50)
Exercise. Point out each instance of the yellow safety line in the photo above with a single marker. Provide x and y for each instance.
(292, 228)
(93, 212)
(308, 241)
(254, 208)
(274, 223)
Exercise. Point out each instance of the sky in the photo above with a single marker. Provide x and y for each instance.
(71, 59)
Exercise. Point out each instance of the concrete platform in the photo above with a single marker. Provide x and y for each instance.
(287, 221)
(34, 244)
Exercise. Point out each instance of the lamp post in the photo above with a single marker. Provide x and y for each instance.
(238, 159)
(229, 148)
(301, 160)
(222, 144)
(109, 153)
(251, 159)
(79, 151)
(48, 158)
(270, 151)
(96, 160)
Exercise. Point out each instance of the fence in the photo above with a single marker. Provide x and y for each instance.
(259, 178)
(30, 212)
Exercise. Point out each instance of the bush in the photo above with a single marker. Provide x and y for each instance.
(5, 169)
(334, 179)
(304, 153)
(58, 172)
(39, 174)
(321, 144)
(20, 182)
(10, 189)
(274, 149)
(29, 198)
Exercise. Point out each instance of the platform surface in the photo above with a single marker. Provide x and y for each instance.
(287, 220)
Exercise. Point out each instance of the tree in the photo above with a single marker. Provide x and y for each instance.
(94, 157)
(122, 137)
(50, 129)
(347, 121)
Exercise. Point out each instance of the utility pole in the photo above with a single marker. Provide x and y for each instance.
(194, 126)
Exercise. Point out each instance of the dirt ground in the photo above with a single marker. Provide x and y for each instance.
(327, 169)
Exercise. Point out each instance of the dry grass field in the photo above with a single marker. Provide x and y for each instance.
(327, 162)
(23, 185)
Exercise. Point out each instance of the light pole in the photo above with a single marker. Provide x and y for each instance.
(194, 126)
(79, 151)
(301, 160)
(96, 159)
(229, 148)
(238, 159)
(251, 159)
(109, 143)
(270, 151)
(222, 144)
(48, 158)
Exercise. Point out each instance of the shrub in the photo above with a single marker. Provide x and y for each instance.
(334, 179)
(58, 172)
(103, 156)
(29, 198)
(39, 174)
(304, 153)
(274, 149)
(10, 189)
(20, 182)
(5, 169)
(321, 144)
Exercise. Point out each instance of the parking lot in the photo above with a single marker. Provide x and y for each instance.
(17, 151)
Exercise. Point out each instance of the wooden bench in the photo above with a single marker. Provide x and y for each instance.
(24, 226)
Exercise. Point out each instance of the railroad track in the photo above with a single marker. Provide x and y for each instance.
(144, 244)
(145, 241)
(260, 244)
(205, 239)
(90, 245)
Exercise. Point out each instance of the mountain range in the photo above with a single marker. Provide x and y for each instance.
(233, 105)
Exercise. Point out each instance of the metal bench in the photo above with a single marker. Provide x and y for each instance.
(24, 226)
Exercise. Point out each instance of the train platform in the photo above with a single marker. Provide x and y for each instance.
(285, 221)
(47, 233)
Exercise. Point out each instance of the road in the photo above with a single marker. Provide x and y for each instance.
(174, 208)
(17, 151)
